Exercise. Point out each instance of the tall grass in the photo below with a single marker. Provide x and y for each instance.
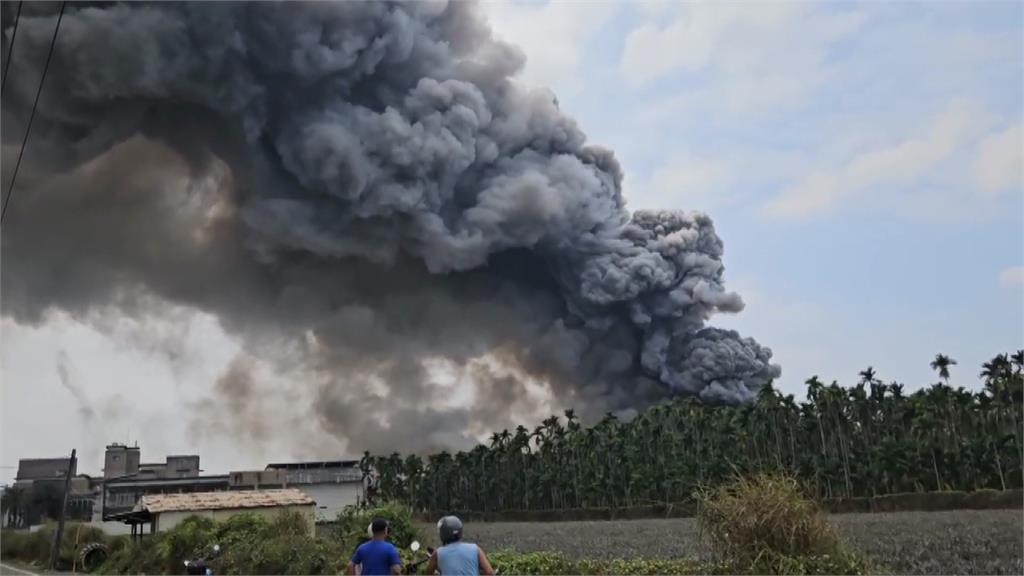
(766, 524)
(34, 547)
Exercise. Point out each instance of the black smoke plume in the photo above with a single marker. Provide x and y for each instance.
(355, 189)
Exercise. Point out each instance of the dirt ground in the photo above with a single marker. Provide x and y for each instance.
(951, 542)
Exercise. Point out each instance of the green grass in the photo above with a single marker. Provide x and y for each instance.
(34, 547)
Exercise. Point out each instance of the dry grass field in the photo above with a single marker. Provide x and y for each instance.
(951, 542)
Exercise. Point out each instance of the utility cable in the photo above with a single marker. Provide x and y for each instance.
(28, 129)
(10, 49)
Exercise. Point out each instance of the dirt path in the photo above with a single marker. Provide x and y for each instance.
(20, 570)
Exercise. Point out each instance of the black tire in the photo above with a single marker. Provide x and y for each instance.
(92, 556)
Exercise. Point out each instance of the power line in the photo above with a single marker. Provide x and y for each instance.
(24, 141)
(10, 49)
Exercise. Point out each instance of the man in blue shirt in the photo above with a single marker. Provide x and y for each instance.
(378, 557)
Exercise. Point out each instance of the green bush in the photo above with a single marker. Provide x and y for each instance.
(15, 544)
(143, 556)
(34, 547)
(353, 521)
(252, 545)
(533, 563)
(192, 535)
(249, 544)
(554, 563)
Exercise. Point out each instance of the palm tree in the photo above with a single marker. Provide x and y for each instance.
(998, 367)
(942, 364)
(867, 376)
(860, 441)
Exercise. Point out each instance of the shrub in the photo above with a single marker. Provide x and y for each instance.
(766, 524)
(190, 536)
(140, 557)
(353, 520)
(542, 563)
(35, 547)
(554, 563)
(15, 544)
(252, 545)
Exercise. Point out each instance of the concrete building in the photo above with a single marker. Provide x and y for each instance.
(256, 479)
(32, 469)
(40, 482)
(126, 479)
(120, 460)
(333, 484)
(163, 512)
(122, 494)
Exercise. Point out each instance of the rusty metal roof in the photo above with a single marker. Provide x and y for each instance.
(156, 503)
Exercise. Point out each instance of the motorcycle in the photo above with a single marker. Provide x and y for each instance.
(413, 567)
(199, 566)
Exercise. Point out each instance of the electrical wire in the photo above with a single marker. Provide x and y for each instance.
(10, 49)
(28, 129)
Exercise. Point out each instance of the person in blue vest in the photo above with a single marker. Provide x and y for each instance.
(455, 557)
(378, 557)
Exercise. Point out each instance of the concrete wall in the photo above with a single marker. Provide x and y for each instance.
(331, 498)
(121, 460)
(44, 468)
(168, 520)
(182, 466)
(258, 478)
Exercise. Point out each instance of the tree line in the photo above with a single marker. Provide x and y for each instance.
(32, 504)
(865, 440)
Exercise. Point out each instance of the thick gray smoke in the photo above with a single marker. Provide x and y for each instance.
(354, 189)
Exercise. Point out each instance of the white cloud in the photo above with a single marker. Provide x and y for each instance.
(893, 164)
(686, 181)
(551, 35)
(758, 55)
(1012, 276)
(997, 167)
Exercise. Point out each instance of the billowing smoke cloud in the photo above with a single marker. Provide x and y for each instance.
(85, 409)
(356, 190)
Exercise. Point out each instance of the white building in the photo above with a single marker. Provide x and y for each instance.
(333, 484)
(163, 512)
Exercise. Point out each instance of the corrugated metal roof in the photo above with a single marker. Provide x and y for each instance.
(156, 503)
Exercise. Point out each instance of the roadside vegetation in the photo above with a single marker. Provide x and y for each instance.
(34, 547)
(759, 526)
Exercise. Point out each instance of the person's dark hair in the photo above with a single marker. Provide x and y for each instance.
(379, 526)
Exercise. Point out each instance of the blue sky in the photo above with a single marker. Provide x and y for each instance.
(862, 162)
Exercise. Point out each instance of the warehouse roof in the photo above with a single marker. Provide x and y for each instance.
(155, 503)
(316, 464)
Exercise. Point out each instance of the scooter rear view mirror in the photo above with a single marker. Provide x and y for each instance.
(415, 546)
